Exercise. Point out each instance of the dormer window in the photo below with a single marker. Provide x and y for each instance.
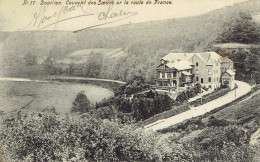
(178, 59)
(162, 61)
(197, 64)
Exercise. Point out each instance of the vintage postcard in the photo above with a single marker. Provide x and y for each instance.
(129, 80)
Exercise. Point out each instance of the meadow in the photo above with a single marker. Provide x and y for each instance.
(35, 96)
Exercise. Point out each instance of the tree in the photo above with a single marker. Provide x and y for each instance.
(241, 30)
(77, 139)
(104, 113)
(81, 103)
(48, 65)
(94, 65)
(252, 65)
(31, 59)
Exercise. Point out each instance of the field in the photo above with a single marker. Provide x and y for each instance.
(36, 96)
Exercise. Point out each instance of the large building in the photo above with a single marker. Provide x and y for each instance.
(186, 69)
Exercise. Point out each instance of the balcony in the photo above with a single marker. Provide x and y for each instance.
(167, 79)
(186, 80)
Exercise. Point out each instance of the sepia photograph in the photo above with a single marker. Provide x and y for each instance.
(129, 80)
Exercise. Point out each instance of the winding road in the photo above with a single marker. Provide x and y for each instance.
(242, 89)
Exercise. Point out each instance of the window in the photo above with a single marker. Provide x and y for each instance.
(209, 86)
(209, 71)
(197, 78)
(197, 71)
(168, 75)
(174, 74)
(201, 80)
(209, 79)
(163, 75)
(197, 64)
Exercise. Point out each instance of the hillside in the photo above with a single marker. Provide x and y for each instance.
(140, 41)
(84, 55)
(182, 32)
(223, 136)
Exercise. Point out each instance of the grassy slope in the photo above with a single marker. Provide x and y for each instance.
(244, 113)
(15, 95)
(241, 110)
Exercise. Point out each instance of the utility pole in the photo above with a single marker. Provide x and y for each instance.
(235, 93)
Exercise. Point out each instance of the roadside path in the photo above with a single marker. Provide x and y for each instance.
(242, 89)
(57, 77)
(82, 78)
(21, 80)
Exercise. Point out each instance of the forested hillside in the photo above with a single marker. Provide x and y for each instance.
(144, 43)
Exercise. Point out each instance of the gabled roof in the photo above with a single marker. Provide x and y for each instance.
(173, 57)
(180, 65)
(209, 58)
(230, 72)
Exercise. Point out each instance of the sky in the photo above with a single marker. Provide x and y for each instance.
(14, 16)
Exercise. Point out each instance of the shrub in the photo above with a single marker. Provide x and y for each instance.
(77, 139)
(212, 121)
(175, 110)
(189, 93)
(103, 113)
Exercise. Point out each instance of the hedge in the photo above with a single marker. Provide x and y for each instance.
(173, 127)
(166, 114)
(210, 97)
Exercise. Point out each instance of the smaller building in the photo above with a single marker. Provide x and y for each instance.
(227, 72)
(228, 78)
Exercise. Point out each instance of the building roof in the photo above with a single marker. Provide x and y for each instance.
(209, 58)
(180, 65)
(173, 57)
(186, 73)
(225, 59)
